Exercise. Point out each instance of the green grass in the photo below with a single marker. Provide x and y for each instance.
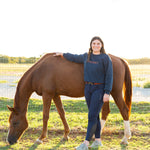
(76, 115)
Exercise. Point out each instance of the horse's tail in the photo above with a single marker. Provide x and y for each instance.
(127, 87)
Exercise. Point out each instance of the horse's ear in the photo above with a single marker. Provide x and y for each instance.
(10, 108)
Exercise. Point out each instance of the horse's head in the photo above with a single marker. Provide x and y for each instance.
(17, 125)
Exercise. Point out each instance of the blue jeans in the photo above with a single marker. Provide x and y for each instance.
(94, 99)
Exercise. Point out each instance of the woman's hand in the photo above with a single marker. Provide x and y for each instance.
(106, 98)
(58, 54)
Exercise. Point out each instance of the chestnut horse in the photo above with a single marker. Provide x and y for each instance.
(53, 76)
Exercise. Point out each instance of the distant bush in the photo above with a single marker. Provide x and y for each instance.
(147, 85)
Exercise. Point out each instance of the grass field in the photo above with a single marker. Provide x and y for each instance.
(76, 114)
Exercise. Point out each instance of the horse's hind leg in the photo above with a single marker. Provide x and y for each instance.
(125, 114)
(105, 112)
(46, 107)
(61, 112)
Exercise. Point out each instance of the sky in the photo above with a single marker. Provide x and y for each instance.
(32, 28)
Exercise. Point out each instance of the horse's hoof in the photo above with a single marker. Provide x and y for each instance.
(38, 141)
(124, 141)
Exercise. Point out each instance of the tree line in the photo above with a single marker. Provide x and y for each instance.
(19, 60)
(30, 60)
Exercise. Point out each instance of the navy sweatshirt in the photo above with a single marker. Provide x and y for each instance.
(97, 70)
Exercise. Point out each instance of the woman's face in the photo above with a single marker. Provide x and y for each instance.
(96, 46)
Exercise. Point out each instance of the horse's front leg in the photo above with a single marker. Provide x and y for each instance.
(46, 107)
(61, 112)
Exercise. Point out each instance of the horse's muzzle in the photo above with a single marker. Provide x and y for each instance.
(12, 140)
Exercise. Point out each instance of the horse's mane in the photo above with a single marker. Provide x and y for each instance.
(38, 62)
(21, 81)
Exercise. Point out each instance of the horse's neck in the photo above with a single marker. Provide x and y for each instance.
(22, 96)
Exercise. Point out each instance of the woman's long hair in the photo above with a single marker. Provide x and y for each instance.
(102, 50)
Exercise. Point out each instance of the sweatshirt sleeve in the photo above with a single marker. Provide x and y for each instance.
(108, 75)
(75, 58)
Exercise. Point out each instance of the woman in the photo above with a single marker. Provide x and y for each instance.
(98, 77)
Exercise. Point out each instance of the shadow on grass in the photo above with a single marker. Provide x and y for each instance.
(123, 147)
